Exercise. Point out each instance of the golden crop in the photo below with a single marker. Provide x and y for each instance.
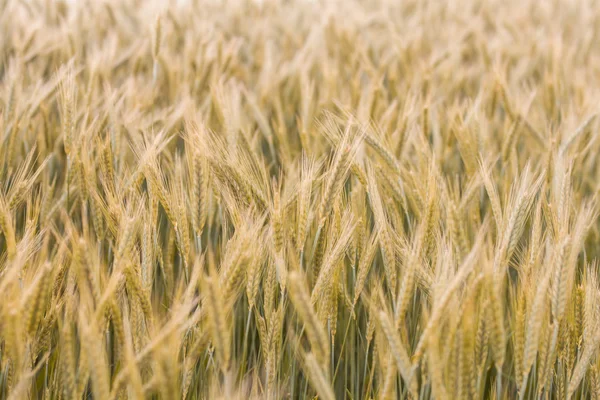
(275, 199)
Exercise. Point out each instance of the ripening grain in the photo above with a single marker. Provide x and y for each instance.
(277, 199)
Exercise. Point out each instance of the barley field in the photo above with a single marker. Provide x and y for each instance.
(299, 199)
